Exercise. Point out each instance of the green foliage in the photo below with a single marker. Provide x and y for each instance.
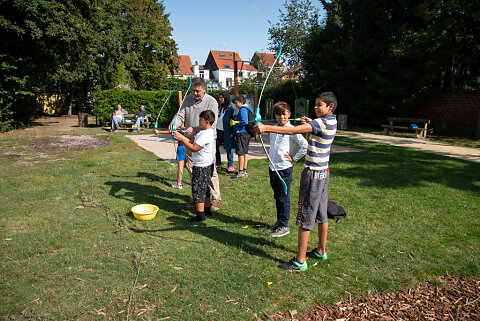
(379, 57)
(72, 47)
(293, 28)
(105, 102)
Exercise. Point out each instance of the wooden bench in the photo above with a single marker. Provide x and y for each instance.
(420, 132)
(129, 121)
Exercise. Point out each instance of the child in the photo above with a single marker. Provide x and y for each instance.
(282, 148)
(313, 194)
(180, 160)
(242, 136)
(202, 155)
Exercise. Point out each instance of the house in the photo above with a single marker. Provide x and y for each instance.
(221, 66)
(187, 70)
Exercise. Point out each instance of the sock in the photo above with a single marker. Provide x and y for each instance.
(199, 218)
(208, 211)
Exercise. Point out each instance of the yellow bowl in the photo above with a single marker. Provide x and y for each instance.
(145, 212)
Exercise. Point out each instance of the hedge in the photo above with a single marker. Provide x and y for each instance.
(105, 102)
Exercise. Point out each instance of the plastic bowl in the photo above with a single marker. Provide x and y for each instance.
(145, 212)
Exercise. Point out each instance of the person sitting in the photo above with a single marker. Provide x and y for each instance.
(118, 117)
(141, 116)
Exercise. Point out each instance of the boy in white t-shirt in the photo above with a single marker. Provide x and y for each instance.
(201, 146)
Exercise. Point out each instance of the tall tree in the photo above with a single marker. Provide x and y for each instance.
(292, 29)
(380, 55)
(148, 43)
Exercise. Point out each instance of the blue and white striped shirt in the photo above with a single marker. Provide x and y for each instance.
(318, 152)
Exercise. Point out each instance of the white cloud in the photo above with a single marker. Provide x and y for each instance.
(224, 44)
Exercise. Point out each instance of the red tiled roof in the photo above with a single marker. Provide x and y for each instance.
(224, 60)
(184, 65)
(266, 59)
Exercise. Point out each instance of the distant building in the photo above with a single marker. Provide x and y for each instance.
(186, 70)
(218, 70)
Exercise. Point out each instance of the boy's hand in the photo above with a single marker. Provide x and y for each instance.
(305, 120)
(179, 137)
(288, 157)
(157, 132)
(259, 128)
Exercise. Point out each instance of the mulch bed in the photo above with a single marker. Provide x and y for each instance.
(456, 299)
(69, 143)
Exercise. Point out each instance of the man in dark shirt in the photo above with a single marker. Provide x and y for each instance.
(140, 116)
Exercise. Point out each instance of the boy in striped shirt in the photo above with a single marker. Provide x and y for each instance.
(313, 195)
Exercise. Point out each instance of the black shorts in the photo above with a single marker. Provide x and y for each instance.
(242, 143)
(200, 178)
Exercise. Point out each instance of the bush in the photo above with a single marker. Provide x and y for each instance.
(105, 102)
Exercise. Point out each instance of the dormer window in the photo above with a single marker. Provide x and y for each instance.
(222, 55)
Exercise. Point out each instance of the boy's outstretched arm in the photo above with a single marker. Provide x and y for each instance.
(300, 129)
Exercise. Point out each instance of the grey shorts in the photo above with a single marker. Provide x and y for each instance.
(313, 198)
(243, 141)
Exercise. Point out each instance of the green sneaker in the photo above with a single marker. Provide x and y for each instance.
(294, 266)
(314, 254)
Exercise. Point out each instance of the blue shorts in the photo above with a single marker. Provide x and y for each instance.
(181, 153)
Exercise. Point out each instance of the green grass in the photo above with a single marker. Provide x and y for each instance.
(71, 248)
(454, 141)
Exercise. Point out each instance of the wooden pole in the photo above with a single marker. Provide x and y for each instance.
(235, 73)
(180, 99)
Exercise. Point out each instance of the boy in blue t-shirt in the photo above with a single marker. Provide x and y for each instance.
(313, 194)
(242, 136)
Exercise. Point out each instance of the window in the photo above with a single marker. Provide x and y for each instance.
(240, 74)
(222, 55)
(227, 66)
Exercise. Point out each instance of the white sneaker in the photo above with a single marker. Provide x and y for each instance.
(177, 186)
(281, 231)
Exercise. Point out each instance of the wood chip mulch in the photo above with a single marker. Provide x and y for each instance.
(456, 299)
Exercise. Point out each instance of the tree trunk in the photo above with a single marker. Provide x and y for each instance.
(70, 103)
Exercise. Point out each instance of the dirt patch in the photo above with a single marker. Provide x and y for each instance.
(456, 299)
(69, 143)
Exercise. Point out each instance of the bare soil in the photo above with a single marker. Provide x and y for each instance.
(456, 298)
(69, 143)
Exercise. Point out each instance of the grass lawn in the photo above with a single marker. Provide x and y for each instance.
(454, 141)
(71, 248)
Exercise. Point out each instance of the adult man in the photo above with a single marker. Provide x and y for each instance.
(189, 114)
(141, 116)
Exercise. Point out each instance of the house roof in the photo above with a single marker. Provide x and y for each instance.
(265, 58)
(184, 65)
(224, 60)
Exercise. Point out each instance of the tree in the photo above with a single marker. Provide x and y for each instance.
(148, 43)
(379, 56)
(292, 30)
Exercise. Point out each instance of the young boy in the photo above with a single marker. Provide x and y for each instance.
(242, 136)
(202, 147)
(313, 194)
(180, 160)
(284, 150)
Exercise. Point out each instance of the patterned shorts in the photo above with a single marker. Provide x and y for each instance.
(200, 178)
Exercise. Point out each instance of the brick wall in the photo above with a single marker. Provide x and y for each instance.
(452, 114)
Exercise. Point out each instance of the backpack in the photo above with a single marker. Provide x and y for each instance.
(249, 127)
(335, 211)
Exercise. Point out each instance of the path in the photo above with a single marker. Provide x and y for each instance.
(471, 154)
(162, 146)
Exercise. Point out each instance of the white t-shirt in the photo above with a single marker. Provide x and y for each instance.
(204, 156)
(220, 119)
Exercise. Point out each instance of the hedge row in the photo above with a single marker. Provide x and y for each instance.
(105, 102)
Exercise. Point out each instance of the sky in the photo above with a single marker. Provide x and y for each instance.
(204, 25)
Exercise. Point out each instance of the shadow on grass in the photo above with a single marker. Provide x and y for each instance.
(224, 234)
(395, 167)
